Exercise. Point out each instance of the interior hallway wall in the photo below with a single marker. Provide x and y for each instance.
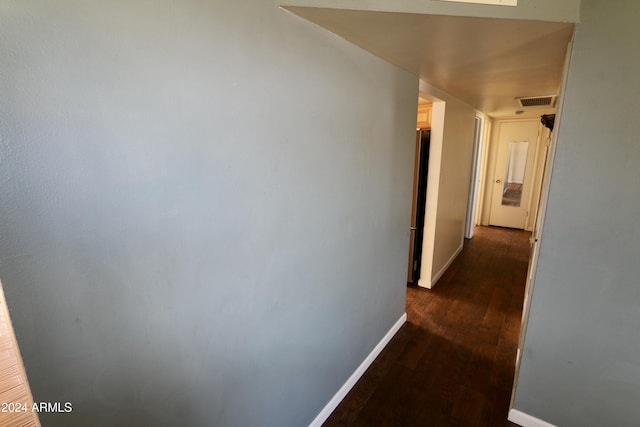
(204, 208)
(449, 177)
(580, 363)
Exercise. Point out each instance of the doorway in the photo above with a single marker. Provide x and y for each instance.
(416, 230)
(515, 150)
(474, 188)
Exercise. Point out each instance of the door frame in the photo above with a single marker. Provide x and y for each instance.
(412, 224)
(418, 214)
(492, 165)
(474, 184)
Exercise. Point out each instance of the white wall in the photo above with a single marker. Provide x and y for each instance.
(448, 187)
(204, 208)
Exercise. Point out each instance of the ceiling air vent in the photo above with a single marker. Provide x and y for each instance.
(537, 101)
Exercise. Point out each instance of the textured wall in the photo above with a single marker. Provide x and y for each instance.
(448, 193)
(203, 208)
(581, 360)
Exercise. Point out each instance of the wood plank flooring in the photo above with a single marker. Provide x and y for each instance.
(452, 363)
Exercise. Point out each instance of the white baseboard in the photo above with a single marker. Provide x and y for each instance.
(353, 379)
(526, 420)
(429, 284)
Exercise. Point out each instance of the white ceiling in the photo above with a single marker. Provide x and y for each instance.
(485, 62)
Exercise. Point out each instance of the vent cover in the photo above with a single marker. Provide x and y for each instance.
(537, 101)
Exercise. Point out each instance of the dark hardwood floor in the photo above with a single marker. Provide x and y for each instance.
(452, 363)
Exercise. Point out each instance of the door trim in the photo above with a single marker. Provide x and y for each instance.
(474, 184)
(21, 392)
(487, 203)
(412, 223)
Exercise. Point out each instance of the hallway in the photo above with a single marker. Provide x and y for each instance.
(452, 363)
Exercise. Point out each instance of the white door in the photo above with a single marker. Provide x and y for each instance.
(514, 173)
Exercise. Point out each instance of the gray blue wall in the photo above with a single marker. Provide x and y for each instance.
(581, 360)
(203, 208)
